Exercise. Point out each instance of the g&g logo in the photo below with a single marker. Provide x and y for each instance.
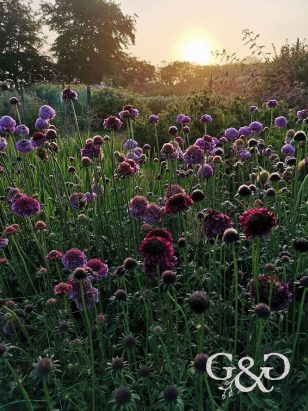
(245, 371)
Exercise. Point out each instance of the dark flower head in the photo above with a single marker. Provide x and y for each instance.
(153, 119)
(253, 109)
(44, 366)
(178, 203)
(197, 195)
(83, 293)
(129, 342)
(69, 94)
(171, 393)
(300, 136)
(301, 245)
(112, 123)
(117, 364)
(244, 191)
(122, 395)
(62, 288)
(215, 224)
(173, 131)
(38, 139)
(257, 222)
(25, 206)
(137, 206)
(168, 277)
(198, 302)
(160, 232)
(54, 255)
(120, 295)
(272, 292)
(271, 104)
(262, 310)
(99, 269)
(230, 235)
(155, 247)
(200, 362)
(14, 101)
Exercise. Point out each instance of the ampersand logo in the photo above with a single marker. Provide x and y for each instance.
(245, 365)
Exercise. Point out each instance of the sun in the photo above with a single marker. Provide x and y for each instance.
(196, 50)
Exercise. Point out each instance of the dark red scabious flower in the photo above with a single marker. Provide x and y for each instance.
(128, 168)
(272, 291)
(62, 288)
(160, 232)
(38, 139)
(178, 203)
(91, 150)
(137, 206)
(78, 201)
(173, 189)
(69, 94)
(25, 206)
(73, 259)
(215, 224)
(257, 222)
(99, 269)
(54, 255)
(112, 123)
(11, 230)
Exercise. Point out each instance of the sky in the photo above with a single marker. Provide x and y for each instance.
(168, 30)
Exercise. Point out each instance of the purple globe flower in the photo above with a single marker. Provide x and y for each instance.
(271, 104)
(41, 124)
(281, 122)
(183, 119)
(244, 154)
(133, 156)
(231, 133)
(205, 171)
(215, 224)
(244, 131)
(206, 118)
(22, 130)
(194, 155)
(256, 127)
(90, 196)
(253, 109)
(223, 140)
(25, 206)
(153, 119)
(131, 144)
(152, 214)
(288, 150)
(47, 113)
(207, 143)
(302, 114)
(137, 206)
(7, 124)
(73, 259)
(78, 200)
(24, 146)
(3, 144)
(99, 269)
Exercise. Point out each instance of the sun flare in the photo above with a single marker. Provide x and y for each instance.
(196, 50)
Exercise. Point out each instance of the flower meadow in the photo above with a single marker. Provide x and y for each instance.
(124, 268)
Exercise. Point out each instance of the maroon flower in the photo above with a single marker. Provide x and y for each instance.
(62, 288)
(215, 224)
(257, 222)
(137, 206)
(160, 232)
(272, 291)
(25, 206)
(178, 203)
(99, 268)
(54, 255)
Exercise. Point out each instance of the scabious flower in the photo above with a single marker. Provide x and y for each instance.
(82, 289)
(62, 288)
(178, 203)
(24, 146)
(270, 104)
(253, 109)
(244, 155)
(205, 171)
(153, 119)
(22, 130)
(288, 150)
(99, 269)
(47, 113)
(193, 155)
(73, 259)
(11, 230)
(78, 201)
(53, 256)
(256, 127)
(231, 133)
(41, 124)
(173, 189)
(3, 144)
(257, 222)
(137, 206)
(281, 122)
(38, 139)
(7, 124)
(205, 119)
(69, 94)
(128, 168)
(244, 131)
(272, 291)
(112, 123)
(206, 143)
(25, 206)
(215, 224)
(152, 214)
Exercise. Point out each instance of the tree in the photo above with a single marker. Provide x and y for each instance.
(92, 37)
(20, 40)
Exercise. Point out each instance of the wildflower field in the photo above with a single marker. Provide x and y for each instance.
(124, 268)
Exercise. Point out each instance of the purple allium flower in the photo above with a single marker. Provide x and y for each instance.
(129, 111)
(25, 206)
(153, 119)
(206, 143)
(169, 152)
(73, 259)
(112, 123)
(223, 140)
(24, 146)
(90, 196)
(152, 214)
(22, 130)
(137, 206)
(215, 224)
(271, 104)
(231, 133)
(281, 122)
(256, 127)
(206, 118)
(91, 294)
(4, 242)
(194, 155)
(244, 154)
(253, 109)
(7, 124)
(131, 144)
(3, 144)
(99, 268)
(47, 113)
(302, 114)
(183, 119)
(173, 131)
(133, 156)
(245, 131)
(78, 201)
(205, 171)
(41, 124)
(288, 150)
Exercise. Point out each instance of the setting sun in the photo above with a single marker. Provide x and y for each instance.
(196, 50)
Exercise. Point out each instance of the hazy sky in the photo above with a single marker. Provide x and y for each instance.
(164, 27)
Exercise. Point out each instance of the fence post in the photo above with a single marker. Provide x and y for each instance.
(89, 98)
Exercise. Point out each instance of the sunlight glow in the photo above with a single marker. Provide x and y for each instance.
(196, 50)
